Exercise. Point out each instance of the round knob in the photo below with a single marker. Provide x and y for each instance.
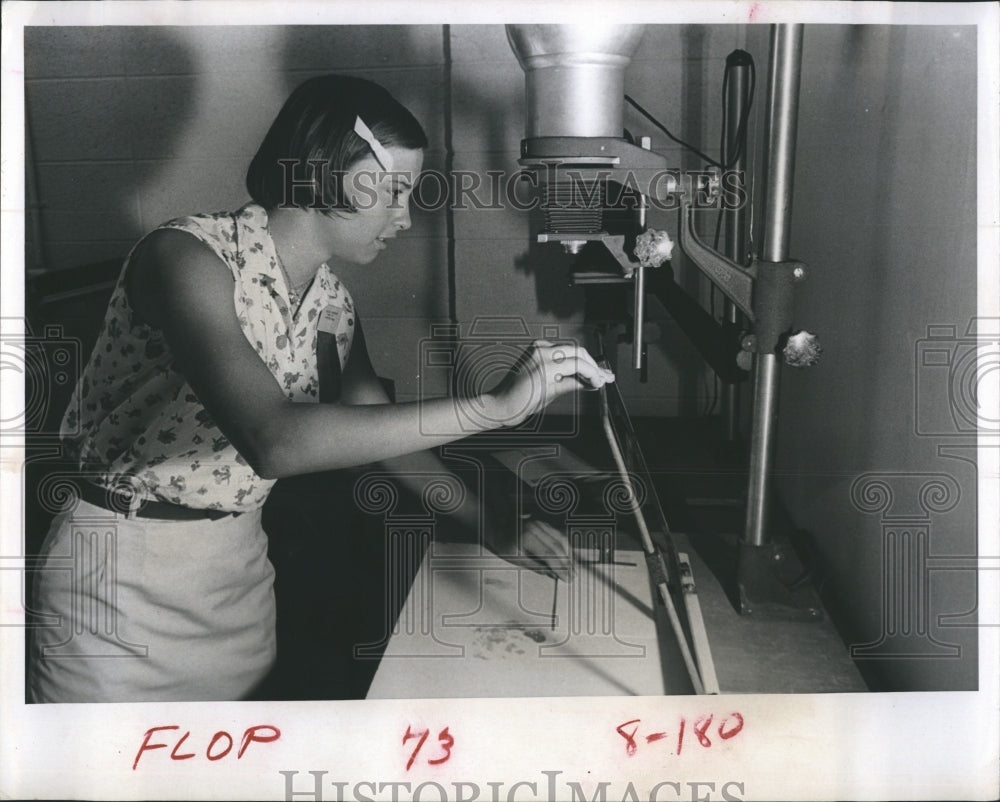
(802, 350)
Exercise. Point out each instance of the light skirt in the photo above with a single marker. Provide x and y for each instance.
(139, 610)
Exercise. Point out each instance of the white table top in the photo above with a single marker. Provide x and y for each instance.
(475, 625)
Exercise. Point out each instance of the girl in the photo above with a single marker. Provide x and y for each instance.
(221, 337)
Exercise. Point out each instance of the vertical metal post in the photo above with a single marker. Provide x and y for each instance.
(638, 351)
(735, 219)
(783, 93)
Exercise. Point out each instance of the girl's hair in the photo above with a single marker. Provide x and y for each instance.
(312, 142)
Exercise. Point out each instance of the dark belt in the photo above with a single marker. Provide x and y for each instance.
(119, 502)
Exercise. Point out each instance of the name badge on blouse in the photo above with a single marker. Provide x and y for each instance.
(329, 319)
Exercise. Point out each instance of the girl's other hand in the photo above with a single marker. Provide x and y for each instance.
(532, 543)
(547, 546)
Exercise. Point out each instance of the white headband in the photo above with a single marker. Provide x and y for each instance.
(381, 154)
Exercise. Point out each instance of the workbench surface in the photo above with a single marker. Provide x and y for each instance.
(477, 626)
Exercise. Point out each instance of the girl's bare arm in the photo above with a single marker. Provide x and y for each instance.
(177, 284)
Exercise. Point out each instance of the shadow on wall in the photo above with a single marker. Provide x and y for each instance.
(205, 100)
(160, 69)
(86, 118)
(550, 266)
(131, 126)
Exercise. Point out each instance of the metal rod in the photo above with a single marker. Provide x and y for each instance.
(555, 602)
(783, 105)
(735, 219)
(638, 352)
(649, 547)
(761, 448)
(783, 93)
(640, 316)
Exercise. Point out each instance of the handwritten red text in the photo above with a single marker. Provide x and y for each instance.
(217, 747)
(700, 729)
(445, 742)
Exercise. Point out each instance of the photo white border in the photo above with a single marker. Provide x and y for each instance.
(841, 746)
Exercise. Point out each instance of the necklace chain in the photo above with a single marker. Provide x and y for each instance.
(294, 294)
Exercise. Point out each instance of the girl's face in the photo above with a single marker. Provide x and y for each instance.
(382, 200)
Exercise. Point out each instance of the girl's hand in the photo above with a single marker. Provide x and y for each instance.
(541, 547)
(543, 373)
(547, 546)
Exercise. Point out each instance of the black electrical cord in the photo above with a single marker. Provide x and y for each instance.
(740, 138)
(665, 130)
(728, 160)
(730, 156)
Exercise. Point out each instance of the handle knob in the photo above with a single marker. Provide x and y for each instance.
(802, 350)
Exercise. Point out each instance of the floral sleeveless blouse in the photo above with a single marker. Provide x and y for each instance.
(134, 419)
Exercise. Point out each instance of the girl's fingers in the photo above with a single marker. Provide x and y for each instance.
(547, 545)
(540, 377)
(547, 537)
(593, 374)
(582, 365)
(563, 361)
